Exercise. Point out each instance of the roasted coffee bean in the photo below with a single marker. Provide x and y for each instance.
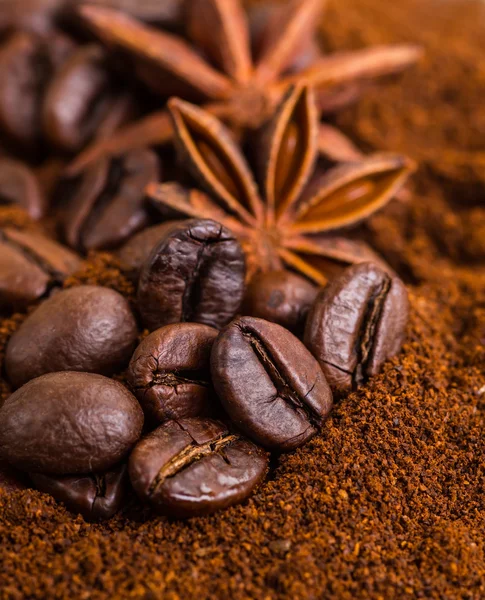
(138, 248)
(95, 496)
(30, 265)
(69, 423)
(11, 480)
(82, 100)
(196, 273)
(108, 204)
(86, 328)
(281, 297)
(19, 186)
(194, 467)
(356, 323)
(270, 385)
(170, 372)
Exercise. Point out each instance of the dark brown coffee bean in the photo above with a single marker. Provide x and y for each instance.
(196, 273)
(30, 265)
(83, 99)
(95, 496)
(138, 248)
(68, 423)
(108, 205)
(270, 385)
(19, 186)
(281, 297)
(170, 372)
(11, 480)
(86, 328)
(194, 467)
(356, 323)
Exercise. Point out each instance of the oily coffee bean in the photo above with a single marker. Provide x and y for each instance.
(196, 273)
(139, 247)
(96, 496)
(170, 372)
(30, 265)
(69, 423)
(281, 297)
(83, 99)
(270, 385)
(19, 186)
(108, 204)
(86, 328)
(356, 323)
(193, 467)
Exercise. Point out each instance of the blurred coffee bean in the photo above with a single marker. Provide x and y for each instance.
(356, 323)
(95, 496)
(69, 423)
(196, 273)
(86, 328)
(30, 265)
(84, 99)
(193, 467)
(270, 385)
(108, 204)
(170, 372)
(281, 297)
(139, 247)
(19, 186)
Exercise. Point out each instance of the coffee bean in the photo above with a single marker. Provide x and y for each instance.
(194, 467)
(108, 204)
(196, 273)
(19, 186)
(11, 480)
(281, 297)
(270, 385)
(356, 323)
(86, 328)
(95, 496)
(69, 423)
(30, 265)
(170, 372)
(139, 247)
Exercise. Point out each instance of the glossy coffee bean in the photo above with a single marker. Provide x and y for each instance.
(356, 323)
(69, 423)
(196, 273)
(270, 385)
(86, 328)
(108, 204)
(170, 372)
(193, 467)
(19, 186)
(30, 265)
(281, 297)
(95, 496)
(134, 253)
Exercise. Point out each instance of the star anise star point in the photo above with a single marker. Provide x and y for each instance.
(286, 216)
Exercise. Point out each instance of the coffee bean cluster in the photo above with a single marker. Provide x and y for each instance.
(209, 392)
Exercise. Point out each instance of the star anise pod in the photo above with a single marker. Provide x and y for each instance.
(220, 72)
(286, 221)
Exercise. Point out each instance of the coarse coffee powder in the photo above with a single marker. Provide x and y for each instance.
(389, 500)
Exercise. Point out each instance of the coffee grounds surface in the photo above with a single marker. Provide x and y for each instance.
(389, 500)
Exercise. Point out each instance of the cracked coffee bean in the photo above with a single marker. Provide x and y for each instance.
(193, 467)
(196, 273)
(280, 297)
(170, 372)
(270, 385)
(85, 328)
(95, 496)
(356, 323)
(30, 266)
(19, 186)
(108, 204)
(69, 423)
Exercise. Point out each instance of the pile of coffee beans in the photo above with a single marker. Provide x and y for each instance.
(218, 375)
